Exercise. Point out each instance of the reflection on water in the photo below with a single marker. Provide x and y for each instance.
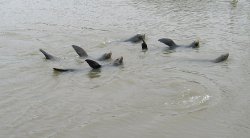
(154, 94)
(94, 73)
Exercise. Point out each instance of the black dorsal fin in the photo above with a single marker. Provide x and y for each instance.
(93, 64)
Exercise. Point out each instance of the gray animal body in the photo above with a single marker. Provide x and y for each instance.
(135, 39)
(221, 58)
(94, 65)
(172, 45)
(80, 51)
(47, 55)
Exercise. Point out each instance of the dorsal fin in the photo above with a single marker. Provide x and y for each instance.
(47, 56)
(81, 52)
(93, 64)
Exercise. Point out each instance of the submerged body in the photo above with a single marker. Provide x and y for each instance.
(172, 45)
(221, 58)
(81, 52)
(94, 65)
(137, 38)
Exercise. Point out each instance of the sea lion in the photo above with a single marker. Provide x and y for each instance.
(47, 55)
(105, 56)
(93, 64)
(172, 44)
(221, 58)
(118, 61)
(135, 39)
(82, 53)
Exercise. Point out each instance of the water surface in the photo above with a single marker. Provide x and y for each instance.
(154, 94)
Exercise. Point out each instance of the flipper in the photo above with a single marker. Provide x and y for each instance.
(173, 45)
(63, 70)
(93, 64)
(221, 58)
(168, 42)
(144, 45)
(118, 61)
(135, 39)
(47, 56)
(81, 52)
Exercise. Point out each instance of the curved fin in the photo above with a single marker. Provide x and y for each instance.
(168, 42)
(135, 39)
(81, 52)
(47, 56)
(93, 64)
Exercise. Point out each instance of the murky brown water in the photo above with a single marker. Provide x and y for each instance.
(155, 94)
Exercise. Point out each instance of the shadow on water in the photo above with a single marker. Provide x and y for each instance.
(94, 73)
(168, 51)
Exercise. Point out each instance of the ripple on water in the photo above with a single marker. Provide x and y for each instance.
(177, 93)
(191, 92)
(188, 95)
